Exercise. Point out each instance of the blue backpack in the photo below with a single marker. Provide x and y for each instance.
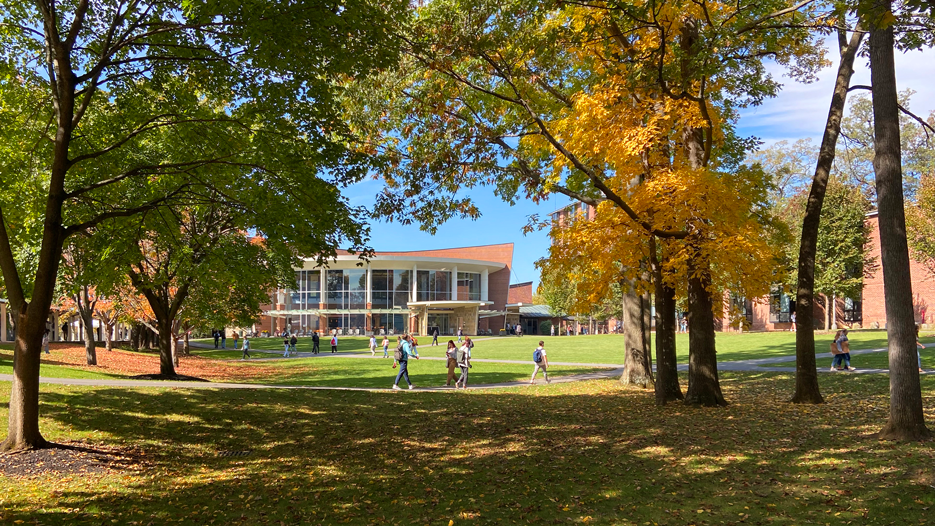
(537, 356)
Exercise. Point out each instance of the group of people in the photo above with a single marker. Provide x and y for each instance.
(460, 357)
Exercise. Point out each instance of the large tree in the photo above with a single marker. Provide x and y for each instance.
(247, 84)
(581, 99)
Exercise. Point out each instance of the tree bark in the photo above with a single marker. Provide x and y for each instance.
(703, 385)
(109, 335)
(637, 369)
(667, 378)
(23, 427)
(906, 420)
(166, 352)
(135, 336)
(806, 373)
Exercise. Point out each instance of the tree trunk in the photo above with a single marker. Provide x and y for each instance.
(703, 386)
(186, 348)
(806, 371)
(906, 421)
(667, 377)
(23, 427)
(135, 337)
(166, 348)
(109, 336)
(637, 369)
(90, 350)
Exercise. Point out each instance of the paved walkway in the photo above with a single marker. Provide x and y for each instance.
(611, 371)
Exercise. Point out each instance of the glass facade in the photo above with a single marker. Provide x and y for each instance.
(307, 295)
(389, 323)
(433, 285)
(348, 323)
(469, 286)
(391, 288)
(346, 289)
(442, 322)
(780, 306)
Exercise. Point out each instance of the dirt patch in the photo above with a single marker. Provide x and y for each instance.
(70, 459)
(172, 377)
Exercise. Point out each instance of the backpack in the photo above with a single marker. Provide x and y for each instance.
(537, 356)
(399, 354)
(459, 355)
(334, 341)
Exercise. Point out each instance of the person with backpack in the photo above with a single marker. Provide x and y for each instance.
(285, 343)
(404, 350)
(246, 348)
(315, 341)
(334, 343)
(292, 342)
(463, 358)
(542, 362)
(451, 354)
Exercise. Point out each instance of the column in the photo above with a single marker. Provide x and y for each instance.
(483, 285)
(323, 276)
(415, 281)
(454, 284)
(369, 299)
(2, 322)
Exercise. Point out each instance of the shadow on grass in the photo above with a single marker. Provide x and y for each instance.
(591, 453)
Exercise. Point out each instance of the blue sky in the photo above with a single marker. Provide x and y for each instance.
(799, 111)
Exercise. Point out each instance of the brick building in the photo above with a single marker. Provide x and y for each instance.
(398, 292)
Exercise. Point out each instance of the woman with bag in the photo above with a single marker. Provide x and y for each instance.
(334, 343)
(841, 350)
(451, 354)
(463, 357)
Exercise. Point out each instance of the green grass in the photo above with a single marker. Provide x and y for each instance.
(584, 453)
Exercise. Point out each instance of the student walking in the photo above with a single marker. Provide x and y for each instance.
(404, 351)
(844, 352)
(463, 358)
(373, 345)
(315, 341)
(542, 362)
(45, 342)
(435, 336)
(285, 343)
(451, 354)
(292, 342)
(460, 334)
(217, 337)
(236, 337)
(246, 348)
(552, 330)
(386, 347)
(223, 339)
(334, 343)
(918, 344)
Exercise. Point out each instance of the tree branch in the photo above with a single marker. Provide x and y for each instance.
(113, 214)
(11, 279)
(774, 14)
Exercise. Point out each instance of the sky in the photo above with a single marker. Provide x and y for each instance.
(798, 112)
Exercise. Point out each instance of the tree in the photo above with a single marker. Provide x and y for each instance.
(906, 420)
(214, 77)
(537, 98)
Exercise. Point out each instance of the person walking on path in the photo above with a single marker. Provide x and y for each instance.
(45, 342)
(451, 354)
(435, 336)
(460, 334)
(386, 346)
(552, 330)
(463, 358)
(223, 338)
(844, 352)
(918, 344)
(519, 330)
(292, 342)
(373, 345)
(315, 341)
(236, 337)
(334, 343)
(285, 344)
(404, 351)
(217, 338)
(792, 319)
(246, 348)
(541, 360)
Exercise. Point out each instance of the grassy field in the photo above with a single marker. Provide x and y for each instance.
(606, 348)
(583, 453)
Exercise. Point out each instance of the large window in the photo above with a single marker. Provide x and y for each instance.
(389, 323)
(469, 286)
(441, 321)
(853, 310)
(390, 289)
(347, 289)
(307, 294)
(433, 285)
(780, 305)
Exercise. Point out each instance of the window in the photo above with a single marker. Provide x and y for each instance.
(780, 305)
(853, 310)
(469, 286)
(741, 312)
(307, 294)
(433, 285)
(441, 321)
(390, 289)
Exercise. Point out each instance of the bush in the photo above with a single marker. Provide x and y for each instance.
(545, 327)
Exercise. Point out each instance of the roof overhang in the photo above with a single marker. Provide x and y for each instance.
(406, 263)
(451, 304)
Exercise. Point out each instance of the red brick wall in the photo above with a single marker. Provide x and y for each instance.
(521, 293)
(923, 286)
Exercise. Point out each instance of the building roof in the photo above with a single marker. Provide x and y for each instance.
(535, 311)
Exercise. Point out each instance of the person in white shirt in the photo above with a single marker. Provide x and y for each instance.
(542, 362)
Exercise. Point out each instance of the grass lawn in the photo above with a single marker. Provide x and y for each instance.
(49, 369)
(583, 453)
(606, 348)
